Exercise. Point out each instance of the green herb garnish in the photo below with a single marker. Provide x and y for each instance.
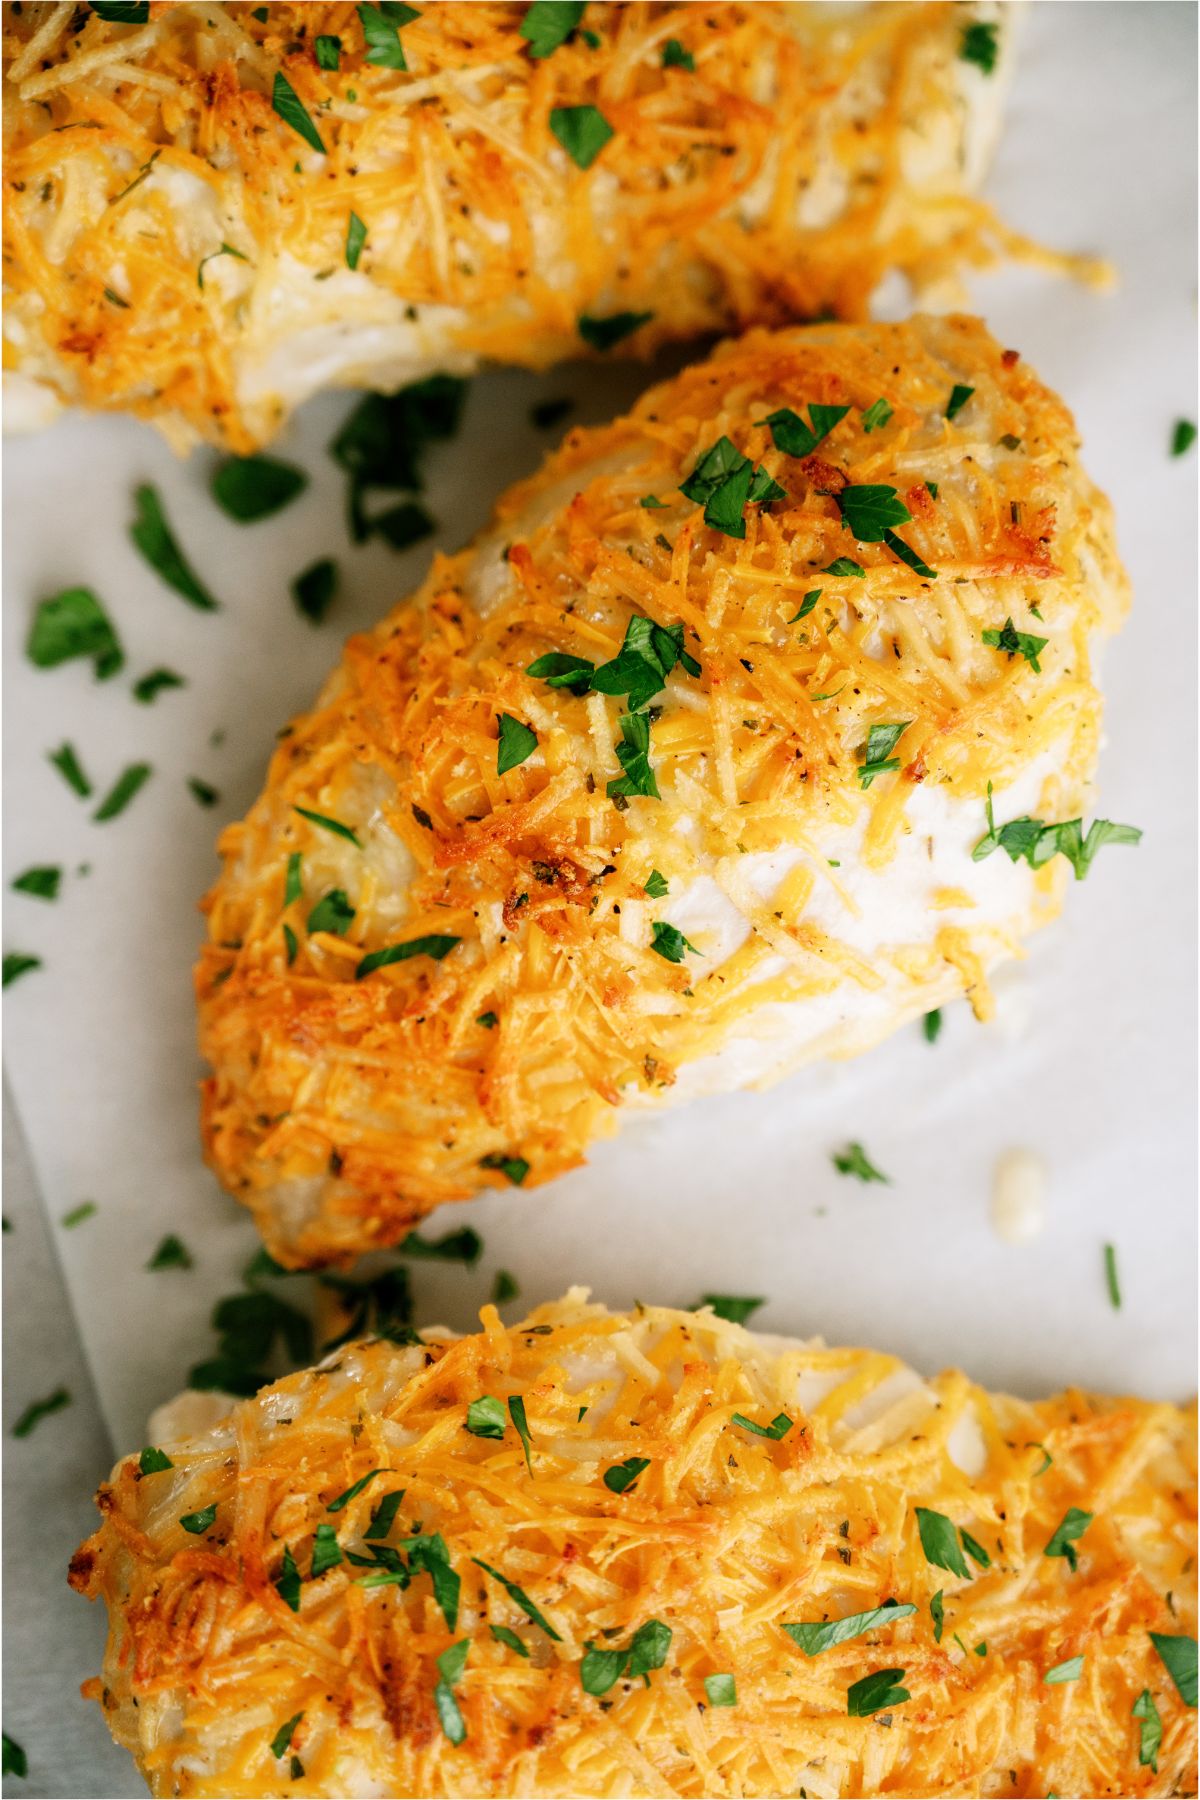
(854, 1161)
(16, 964)
(327, 1552)
(670, 943)
(1178, 1657)
(1110, 1276)
(172, 1253)
(825, 1633)
(329, 51)
(514, 1168)
(778, 1428)
(225, 250)
(353, 1492)
(333, 913)
(486, 1417)
(504, 1288)
(724, 482)
(74, 623)
(1037, 842)
(939, 1541)
(515, 744)
(153, 1461)
(875, 1692)
(122, 791)
(516, 1412)
(1145, 1710)
(1070, 1670)
(978, 45)
(633, 754)
(451, 1664)
(1183, 437)
(674, 56)
(621, 1476)
(292, 110)
(878, 413)
(521, 1598)
(646, 1650)
(288, 1584)
(844, 565)
(356, 237)
(582, 131)
(41, 881)
(656, 886)
(793, 436)
(149, 686)
(153, 537)
(959, 395)
(736, 1308)
(869, 511)
(283, 1737)
(931, 1025)
(1017, 643)
(37, 1410)
(250, 488)
(602, 334)
(549, 23)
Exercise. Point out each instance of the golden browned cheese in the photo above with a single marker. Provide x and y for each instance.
(177, 247)
(425, 975)
(644, 1510)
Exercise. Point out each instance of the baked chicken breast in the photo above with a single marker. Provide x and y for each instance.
(651, 1553)
(757, 724)
(212, 211)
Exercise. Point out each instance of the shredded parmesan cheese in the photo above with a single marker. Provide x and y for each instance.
(725, 1538)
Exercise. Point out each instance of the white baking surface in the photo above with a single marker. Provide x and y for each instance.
(737, 1194)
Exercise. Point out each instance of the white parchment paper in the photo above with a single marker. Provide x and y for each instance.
(1092, 1064)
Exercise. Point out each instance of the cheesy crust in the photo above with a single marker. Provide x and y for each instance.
(723, 1537)
(175, 248)
(818, 911)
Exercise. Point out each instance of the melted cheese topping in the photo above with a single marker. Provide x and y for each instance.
(822, 915)
(724, 1538)
(811, 151)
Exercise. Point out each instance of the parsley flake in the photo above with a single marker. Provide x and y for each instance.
(633, 754)
(670, 943)
(153, 537)
(291, 109)
(1070, 1670)
(878, 413)
(156, 681)
(356, 237)
(283, 1737)
(959, 395)
(1183, 437)
(978, 45)
(249, 488)
(602, 334)
(1017, 643)
(549, 23)
(42, 882)
(853, 1160)
(153, 1461)
(622, 1476)
(1145, 1710)
(582, 131)
(37, 1410)
(791, 434)
(515, 744)
(225, 250)
(674, 56)
(1178, 1657)
(486, 1417)
(875, 1692)
(720, 1690)
(70, 624)
(197, 1523)
(172, 1253)
(823, 1634)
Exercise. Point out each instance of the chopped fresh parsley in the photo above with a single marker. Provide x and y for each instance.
(933, 489)
(1178, 1657)
(1037, 842)
(975, 1549)
(844, 565)
(153, 537)
(516, 742)
(908, 555)
(332, 913)
(516, 1412)
(15, 1762)
(549, 412)
(352, 1493)
(172, 1253)
(1145, 1710)
(429, 1555)
(877, 758)
(559, 670)
(122, 791)
(1017, 643)
(403, 525)
(384, 1516)
(602, 334)
(464, 1245)
(959, 395)
(37, 1410)
(656, 886)
(201, 791)
(806, 605)
(639, 670)
(878, 413)
(1110, 1276)
(646, 1650)
(283, 1737)
(16, 964)
(149, 686)
(225, 250)
(292, 110)
(651, 502)
(381, 29)
(250, 488)
(291, 944)
(633, 754)
(582, 131)
(720, 1690)
(489, 1020)
(939, 1541)
(931, 1025)
(313, 590)
(1183, 437)
(86, 1209)
(778, 1428)
(875, 1692)
(329, 51)
(674, 56)
(622, 1476)
(869, 511)
(724, 482)
(41, 881)
(978, 45)
(825, 1633)
(74, 623)
(327, 1552)
(486, 1417)
(328, 824)
(513, 1168)
(669, 942)
(287, 1585)
(1070, 1670)
(793, 436)
(380, 446)
(451, 1664)
(356, 237)
(937, 1612)
(520, 1598)
(153, 1461)
(853, 1160)
(248, 1326)
(121, 12)
(504, 1288)
(549, 23)
(197, 1523)
(736, 1308)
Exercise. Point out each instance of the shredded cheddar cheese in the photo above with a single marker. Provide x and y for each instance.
(724, 1539)
(808, 911)
(808, 153)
